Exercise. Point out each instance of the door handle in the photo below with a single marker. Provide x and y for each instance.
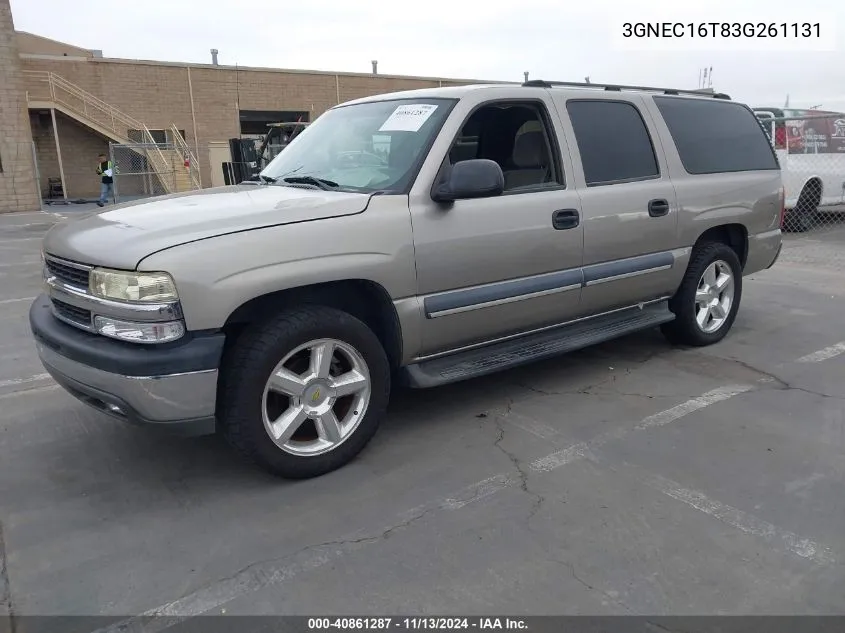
(658, 207)
(565, 219)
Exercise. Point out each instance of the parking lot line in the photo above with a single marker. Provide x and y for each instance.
(14, 382)
(31, 391)
(29, 262)
(263, 575)
(580, 450)
(823, 354)
(694, 404)
(312, 557)
(20, 239)
(743, 521)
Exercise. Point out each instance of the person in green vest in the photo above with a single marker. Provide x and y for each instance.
(106, 171)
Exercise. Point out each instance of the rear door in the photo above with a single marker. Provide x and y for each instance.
(723, 168)
(629, 207)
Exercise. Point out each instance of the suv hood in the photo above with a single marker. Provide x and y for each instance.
(124, 235)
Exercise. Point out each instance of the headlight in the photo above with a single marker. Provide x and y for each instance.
(133, 287)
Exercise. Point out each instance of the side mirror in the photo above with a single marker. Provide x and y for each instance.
(476, 178)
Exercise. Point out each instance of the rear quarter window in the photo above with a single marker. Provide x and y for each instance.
(716, 136)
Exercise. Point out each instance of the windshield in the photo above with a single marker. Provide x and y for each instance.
(367, 147)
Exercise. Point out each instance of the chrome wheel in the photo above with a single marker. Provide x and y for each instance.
(714, 297)
(316, 397)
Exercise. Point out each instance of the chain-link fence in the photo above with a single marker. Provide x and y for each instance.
(810, 146)
(143, 170)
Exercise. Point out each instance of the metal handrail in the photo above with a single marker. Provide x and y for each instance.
(183, 147)
(162, 168)
(58, 85)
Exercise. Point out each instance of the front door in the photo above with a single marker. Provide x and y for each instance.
(504, 265)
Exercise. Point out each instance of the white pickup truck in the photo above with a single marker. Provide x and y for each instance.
(810, 145)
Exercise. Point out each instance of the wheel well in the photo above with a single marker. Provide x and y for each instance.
(811, 192)
(363, 299)
(734, 235)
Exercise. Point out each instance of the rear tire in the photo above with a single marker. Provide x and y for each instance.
(805, 215)
(708, 299)
(328, 394)
(798, 221)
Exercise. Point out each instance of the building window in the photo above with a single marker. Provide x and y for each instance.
(257, 122)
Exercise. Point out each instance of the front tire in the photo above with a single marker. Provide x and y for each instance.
(302, 394)
(707, 301)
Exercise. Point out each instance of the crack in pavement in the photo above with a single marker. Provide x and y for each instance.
(600, 388)
(6, 601)
(482, 489)
(586, 390)
(661, 627)
(782, 384)
(523, 474)
(256, 575)
(757, 370)
(546, 392)
(575, 576)
(268, 572)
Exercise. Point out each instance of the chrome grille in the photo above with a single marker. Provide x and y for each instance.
(68, 273)
(67, 312)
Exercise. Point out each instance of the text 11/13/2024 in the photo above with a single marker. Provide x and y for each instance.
(420, 623)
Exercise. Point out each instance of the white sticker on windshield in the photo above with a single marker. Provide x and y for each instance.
(408, 118)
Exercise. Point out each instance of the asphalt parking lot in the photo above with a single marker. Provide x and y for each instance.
(629, 478)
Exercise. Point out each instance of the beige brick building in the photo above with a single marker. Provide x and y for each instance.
(17, 175)
(91, 100)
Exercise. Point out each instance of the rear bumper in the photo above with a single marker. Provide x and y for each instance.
(777, 255)
(763, 250)
(172, 387)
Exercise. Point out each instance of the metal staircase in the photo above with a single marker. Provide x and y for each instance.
(174, 164)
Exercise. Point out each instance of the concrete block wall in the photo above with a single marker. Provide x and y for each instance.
(159, 94)
(18, 189)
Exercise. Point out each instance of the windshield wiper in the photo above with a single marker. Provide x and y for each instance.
(267, 179)
(321, 183)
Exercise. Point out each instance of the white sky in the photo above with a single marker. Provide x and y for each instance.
(477, 39)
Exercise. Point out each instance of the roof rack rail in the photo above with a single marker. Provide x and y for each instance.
(540, 83)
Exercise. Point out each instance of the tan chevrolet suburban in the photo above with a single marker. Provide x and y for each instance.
(416, 238)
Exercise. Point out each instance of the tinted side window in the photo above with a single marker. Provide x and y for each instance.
(613, 141)
(716, 136)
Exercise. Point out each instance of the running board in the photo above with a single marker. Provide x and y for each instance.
(533, 347)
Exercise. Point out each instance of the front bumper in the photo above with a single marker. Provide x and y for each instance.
(171, 386)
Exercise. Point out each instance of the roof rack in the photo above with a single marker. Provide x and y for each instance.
(540, 83)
